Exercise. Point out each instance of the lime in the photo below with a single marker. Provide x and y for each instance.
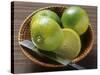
(76, 18)
(46, 34)
(48, 13)
(71, 45)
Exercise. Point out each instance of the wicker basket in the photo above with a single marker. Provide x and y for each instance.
(24, 34)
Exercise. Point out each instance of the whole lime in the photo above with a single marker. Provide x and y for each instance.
(76, 18)
(71, 45)
(46, 34)
(48, 13)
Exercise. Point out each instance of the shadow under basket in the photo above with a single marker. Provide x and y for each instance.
(24, 34)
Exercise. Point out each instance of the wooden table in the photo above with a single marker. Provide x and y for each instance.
(20, 63)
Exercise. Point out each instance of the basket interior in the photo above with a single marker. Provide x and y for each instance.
(25, 35)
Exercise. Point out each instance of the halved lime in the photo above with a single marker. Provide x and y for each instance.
(71, 46)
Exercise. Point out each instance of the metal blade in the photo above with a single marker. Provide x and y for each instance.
(28, 44)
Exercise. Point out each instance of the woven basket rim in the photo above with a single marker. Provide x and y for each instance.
(85, 53)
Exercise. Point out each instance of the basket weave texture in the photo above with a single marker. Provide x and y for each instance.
(24, 34)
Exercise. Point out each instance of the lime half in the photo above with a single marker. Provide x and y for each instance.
(71, 45)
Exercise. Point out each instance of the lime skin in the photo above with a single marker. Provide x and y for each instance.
(46, 34)
(76, 18)
(49, 14)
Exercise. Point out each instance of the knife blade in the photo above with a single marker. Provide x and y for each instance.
(28, 44)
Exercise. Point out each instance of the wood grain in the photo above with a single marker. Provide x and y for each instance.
(20, 63)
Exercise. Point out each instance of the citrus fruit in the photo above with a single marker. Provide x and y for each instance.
(71, 45)
(76, 18)
(46, 34)
(48, 13)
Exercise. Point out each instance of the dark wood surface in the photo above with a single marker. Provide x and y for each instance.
(20, 63)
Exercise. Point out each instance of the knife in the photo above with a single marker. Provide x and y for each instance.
(28, 44)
